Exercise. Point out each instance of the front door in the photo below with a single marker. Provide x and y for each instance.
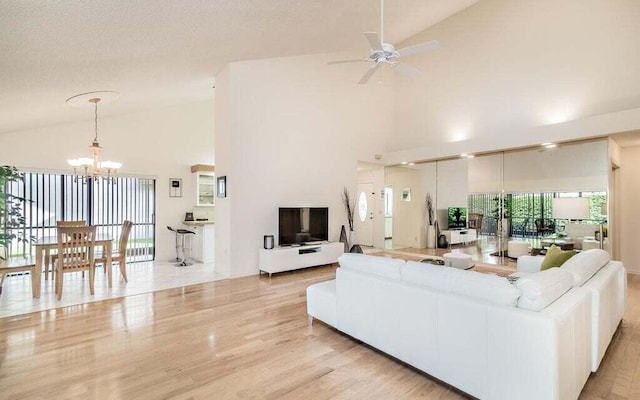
(363, 218)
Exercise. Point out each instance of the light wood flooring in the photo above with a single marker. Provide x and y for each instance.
(245, 338)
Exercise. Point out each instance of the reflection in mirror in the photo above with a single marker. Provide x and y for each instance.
(508, 197)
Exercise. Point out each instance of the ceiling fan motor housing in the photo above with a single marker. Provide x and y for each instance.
(388, 52)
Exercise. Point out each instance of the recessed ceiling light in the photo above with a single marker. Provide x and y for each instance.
(412, 163)
(463, 155)
(404, 163)
(549, 145)
(470, 156)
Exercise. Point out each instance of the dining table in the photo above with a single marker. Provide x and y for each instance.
(45, 244)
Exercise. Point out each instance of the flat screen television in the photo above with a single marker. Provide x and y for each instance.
(300, 225)
(457, 218)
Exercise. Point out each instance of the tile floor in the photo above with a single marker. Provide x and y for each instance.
(144, 277)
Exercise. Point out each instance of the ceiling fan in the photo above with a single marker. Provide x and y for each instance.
(386, 53)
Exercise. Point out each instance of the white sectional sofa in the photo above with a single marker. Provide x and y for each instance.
(478, 332)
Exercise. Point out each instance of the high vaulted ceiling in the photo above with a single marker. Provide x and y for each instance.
(163, 52)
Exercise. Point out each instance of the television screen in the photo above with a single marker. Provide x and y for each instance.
(299, 225)
(457, 218)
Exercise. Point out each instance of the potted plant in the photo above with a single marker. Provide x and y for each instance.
(430, 220)
(501, 214)
(11, 211)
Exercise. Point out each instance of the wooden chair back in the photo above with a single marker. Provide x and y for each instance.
(70, 223)
(75, 248)
(124, 238)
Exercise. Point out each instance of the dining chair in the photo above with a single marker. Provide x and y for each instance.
(70, 223)
(75, 253)
(50, 259)
(119, 256)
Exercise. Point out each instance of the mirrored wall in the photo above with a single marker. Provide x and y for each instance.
(505, 196)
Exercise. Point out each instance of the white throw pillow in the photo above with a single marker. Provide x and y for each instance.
(543, 288)
(584, 265)
(381, 266)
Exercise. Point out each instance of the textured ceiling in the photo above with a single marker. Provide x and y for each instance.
(160, 52)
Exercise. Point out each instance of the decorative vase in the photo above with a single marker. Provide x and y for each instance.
(442, 242)
(343, 239)
(352, 238)
(431, 237)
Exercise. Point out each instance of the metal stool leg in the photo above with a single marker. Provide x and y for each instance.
(186, 247)
(177, 259)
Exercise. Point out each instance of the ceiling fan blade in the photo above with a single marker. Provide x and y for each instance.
(367, 75)
(374, 41)
(406, 69)
(347, 61)
(418, 48)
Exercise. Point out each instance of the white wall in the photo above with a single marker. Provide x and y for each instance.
(452, 187)
(485, 174)
(289, 132)
(161, 143)
(629, 199)
(408, 216)
(514, 73)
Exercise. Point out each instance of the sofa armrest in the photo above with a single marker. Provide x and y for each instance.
(529, 263)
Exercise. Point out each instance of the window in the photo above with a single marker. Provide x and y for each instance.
(53, 197)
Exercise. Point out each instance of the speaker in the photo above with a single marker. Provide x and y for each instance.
(268, 242)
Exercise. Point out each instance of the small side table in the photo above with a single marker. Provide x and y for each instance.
(458, 260)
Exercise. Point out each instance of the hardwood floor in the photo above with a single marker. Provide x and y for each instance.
(243, 338)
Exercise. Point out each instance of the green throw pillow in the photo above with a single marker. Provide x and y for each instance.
(556, 257)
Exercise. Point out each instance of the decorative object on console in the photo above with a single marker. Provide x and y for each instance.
(349, 207)
(188, 216)
(268, 242)
(93, 166)
(555, 257)
(343, 239)
(442, 242)
(431, 229)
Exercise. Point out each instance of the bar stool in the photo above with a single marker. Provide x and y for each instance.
(183, 244)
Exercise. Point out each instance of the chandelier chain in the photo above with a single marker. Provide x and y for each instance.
(96, 120)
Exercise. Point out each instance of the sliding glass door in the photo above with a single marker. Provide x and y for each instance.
(53, 197)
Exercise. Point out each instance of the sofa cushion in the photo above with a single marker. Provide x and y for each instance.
(542, 288)
(487, 287)
(584, 265)
(428, 275)
(556, 257)
(381, 266)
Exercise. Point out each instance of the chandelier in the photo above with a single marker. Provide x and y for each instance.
(93, 166)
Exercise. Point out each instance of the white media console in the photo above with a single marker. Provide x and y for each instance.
(457, 236)
(289, 258)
